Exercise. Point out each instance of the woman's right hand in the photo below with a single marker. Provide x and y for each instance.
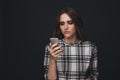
(55, 50)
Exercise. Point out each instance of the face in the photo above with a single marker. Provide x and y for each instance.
(67, 26)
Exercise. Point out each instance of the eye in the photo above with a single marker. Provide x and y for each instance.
(70, 22)
(62, 23)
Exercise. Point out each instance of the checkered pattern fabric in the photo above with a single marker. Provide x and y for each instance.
(78, 61)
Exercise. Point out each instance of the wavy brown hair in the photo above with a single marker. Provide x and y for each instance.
(77, 20)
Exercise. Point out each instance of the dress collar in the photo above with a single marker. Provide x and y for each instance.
(77, 43)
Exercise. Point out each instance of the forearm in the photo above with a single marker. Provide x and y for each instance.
(52, 75)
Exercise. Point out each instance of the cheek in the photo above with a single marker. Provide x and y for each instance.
(73, 29)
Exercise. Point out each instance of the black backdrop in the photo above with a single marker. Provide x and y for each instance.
(26, 26)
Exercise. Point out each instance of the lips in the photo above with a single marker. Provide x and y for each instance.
(66, 32)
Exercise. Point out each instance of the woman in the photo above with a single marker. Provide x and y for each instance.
(73, 57)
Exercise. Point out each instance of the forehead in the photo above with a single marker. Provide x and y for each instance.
(64, 17)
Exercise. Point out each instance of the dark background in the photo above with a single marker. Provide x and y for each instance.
(26, 26)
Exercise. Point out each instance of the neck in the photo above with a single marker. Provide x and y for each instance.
(71, 40)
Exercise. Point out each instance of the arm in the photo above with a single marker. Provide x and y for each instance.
(46, 62)
(52, 75)
(92, 73)
(49, 66)
(50, 61)
(93, 68)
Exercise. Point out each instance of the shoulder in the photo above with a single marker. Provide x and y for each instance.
(88, 43)
(47, 47)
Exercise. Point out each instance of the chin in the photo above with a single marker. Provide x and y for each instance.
(67, 36)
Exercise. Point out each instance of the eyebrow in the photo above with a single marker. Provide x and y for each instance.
(67, 20)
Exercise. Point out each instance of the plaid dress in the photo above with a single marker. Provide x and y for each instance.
(78, 61)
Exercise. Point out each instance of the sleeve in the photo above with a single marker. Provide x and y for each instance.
(46, 62)
(94, 64)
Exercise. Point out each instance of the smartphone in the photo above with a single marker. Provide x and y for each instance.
(54, 40)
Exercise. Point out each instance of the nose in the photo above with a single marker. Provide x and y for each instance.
(66, 26)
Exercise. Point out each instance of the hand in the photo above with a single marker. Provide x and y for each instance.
(87, 79)
(55, 50)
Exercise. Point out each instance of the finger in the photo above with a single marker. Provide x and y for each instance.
(59, 54)
(50, 44)
(54, 45)
(55, 53)
(58, 51)
(52, 51)
(56, 48)
(60, 47)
